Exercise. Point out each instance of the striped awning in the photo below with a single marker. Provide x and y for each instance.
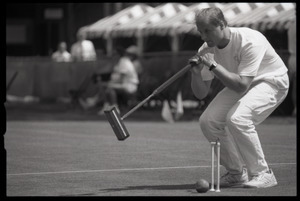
(281, 21)
(175, 18)
(160, 13)
(102, 27)
(184, 22)
(270, 11)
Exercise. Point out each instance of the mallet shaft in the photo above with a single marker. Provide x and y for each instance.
(136, 107)
(159, 89)
(172, 79)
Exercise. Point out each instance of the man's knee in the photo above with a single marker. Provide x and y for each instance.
(211, 127)
(238, 121)
(203, 121)
(208, 125)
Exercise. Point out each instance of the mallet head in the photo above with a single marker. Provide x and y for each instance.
(116, 123)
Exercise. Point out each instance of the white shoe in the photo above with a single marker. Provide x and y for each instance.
(234, 180)
(264, 180)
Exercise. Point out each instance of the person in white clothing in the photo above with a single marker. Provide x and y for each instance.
(124, 80)
(256, 82)
(132, 53)
(83, 49)
(61, 55)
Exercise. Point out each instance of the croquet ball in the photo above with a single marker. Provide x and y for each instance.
(202, 186)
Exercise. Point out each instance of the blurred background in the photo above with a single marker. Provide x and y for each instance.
(164, 34)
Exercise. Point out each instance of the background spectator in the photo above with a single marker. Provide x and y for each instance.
(61, 55)
(123, 83)
(132, 53)
(83, 50)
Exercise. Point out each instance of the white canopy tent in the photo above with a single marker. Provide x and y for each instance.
(174, 19)
(103, 27)
(136, 27)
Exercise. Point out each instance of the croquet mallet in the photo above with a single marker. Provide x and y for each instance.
(116, 121)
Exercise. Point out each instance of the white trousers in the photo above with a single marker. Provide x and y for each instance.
(232, 117)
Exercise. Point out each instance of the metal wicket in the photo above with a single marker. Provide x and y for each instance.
(213, 145)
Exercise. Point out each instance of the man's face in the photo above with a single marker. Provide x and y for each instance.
(211, 34)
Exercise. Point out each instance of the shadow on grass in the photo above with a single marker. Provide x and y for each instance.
(188, 187)
(154, 187)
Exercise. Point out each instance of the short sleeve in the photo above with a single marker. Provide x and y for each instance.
(251, 58)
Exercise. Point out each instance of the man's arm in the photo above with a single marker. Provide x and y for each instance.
(199, 87)
(233, 81)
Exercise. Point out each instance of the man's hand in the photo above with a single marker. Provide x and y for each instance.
(195, 60)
